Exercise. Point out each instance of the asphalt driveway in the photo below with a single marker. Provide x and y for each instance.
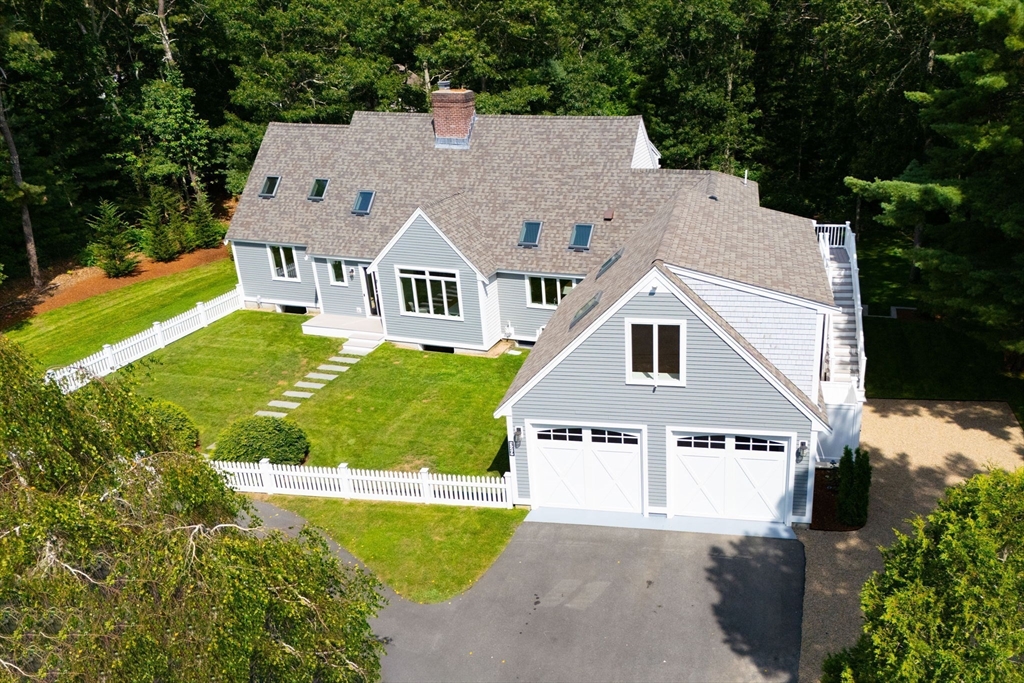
(582, 603)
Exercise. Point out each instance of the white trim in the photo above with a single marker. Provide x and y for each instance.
(655, 381)
(576, 276)
(416, 314)
(753, 289)
(433, 342)
(280, 302)
(643, 284)
(330, 272)
(316, 286)
(238, 269)
(273, 268)
(375, 264)
(790, 455)
(547, 307)
(265, 243)
(819, 353)
(530, 434)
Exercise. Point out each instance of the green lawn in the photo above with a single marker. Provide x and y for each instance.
(75, 331)
(426, 553)
(927, 360)
(233, 367)
(402, 409)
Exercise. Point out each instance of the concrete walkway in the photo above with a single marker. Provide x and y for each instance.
(918, 448)
(578, 603)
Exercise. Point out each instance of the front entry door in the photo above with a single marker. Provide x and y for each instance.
(370, 293)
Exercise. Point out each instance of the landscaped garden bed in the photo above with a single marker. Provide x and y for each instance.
(826, 502)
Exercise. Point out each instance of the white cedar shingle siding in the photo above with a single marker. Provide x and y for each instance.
(341, 300)
(514, 309)
(421, 247)
(257, 279)
(645, 155)
(783, 332)
(722, 391)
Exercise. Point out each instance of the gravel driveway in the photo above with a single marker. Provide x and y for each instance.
(918, 448)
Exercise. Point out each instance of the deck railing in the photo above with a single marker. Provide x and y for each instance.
(835, 233)
(342, 482)
(115, 356)
(850, 242)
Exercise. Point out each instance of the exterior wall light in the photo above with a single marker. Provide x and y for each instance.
(517, 438)
(801, 451)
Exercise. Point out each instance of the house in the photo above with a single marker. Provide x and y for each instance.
(695, 356)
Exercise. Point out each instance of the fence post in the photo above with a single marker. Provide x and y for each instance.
(507, 480)
(267, 475)
(240, 294)
(108, 355)
(158, 330)
(202, 313)
(346, 480)
(425, 488)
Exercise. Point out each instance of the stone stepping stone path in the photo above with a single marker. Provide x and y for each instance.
(349, 354)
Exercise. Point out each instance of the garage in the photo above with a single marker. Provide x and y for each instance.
(729, 476)
(586, 468)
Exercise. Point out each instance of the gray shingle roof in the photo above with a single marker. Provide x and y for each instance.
(561, 170)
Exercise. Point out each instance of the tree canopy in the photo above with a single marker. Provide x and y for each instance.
(120, 558)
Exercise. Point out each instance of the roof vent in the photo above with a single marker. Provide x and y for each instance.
(454, 113)
(713, 198)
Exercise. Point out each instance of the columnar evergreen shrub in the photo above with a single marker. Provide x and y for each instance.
(206, 230)
(251, 439)
(112, 245)
(854, 487)
(165, 227)
(172, 420)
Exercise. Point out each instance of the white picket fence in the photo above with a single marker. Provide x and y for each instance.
(115, 356)
(342, 482)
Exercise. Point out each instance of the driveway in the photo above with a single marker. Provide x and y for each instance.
(581, 603)
(918, 448)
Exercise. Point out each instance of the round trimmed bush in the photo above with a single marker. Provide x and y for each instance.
(172, 420)
(251, 439)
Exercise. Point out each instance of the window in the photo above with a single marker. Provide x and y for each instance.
(655, 352)
(609, 263)
(529, 236)
(716, 441)
(270, 186)
(316, 193)
(337, 271)
(750, 443)
(364, 202)
(549, 291)
(430, 292)
(282, 261)
(581, 233)
(585, 309)
(608, 436)
(563, 434)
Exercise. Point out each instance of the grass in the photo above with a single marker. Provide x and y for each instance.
(402, 409)
(80, 329)
(426, 553)
(233, 367)
(927, 360)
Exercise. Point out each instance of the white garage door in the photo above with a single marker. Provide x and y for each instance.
(726, 476)
(587, 469)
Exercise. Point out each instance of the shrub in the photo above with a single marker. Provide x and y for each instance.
(113, 245)
(206, 230)
(947, 605)
(854, 487)
(164, 225)
(171, 419)
(251, 439)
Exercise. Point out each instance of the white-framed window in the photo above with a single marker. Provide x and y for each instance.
(319, 189)
(656, 352)
(336, 269)
(433, 293)
(581, 234)
(282, 263)
(547, 292)
(529, 236)
(270, 185)
(363, 203)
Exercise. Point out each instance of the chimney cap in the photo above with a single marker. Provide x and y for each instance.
(444, 85)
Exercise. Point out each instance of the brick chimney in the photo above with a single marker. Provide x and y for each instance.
(454, 111)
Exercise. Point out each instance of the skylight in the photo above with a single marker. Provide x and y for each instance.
(364, 201)
(529, 236)
(270, 186)
(316, 193)
(609, 263)
(585, 309)
(581, 233)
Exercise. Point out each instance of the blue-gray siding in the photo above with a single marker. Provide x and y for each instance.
(254, 267)
(722, 391)
(341, 299)
(422, 247)
(514, 311)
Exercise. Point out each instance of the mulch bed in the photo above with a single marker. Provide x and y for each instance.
(826, 502)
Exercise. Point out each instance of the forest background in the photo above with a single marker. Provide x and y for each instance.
(153, 105)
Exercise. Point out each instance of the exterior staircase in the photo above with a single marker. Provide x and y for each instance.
(845, 360)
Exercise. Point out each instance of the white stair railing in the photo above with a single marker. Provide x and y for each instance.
(858, 309)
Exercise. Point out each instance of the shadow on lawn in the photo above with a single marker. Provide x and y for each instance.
(500, 465)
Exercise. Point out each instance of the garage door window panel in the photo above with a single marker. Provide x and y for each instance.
(563, 434)
(656, 352)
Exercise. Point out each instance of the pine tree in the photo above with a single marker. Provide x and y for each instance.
(112, 244)
(207, 231)
(161, 242)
